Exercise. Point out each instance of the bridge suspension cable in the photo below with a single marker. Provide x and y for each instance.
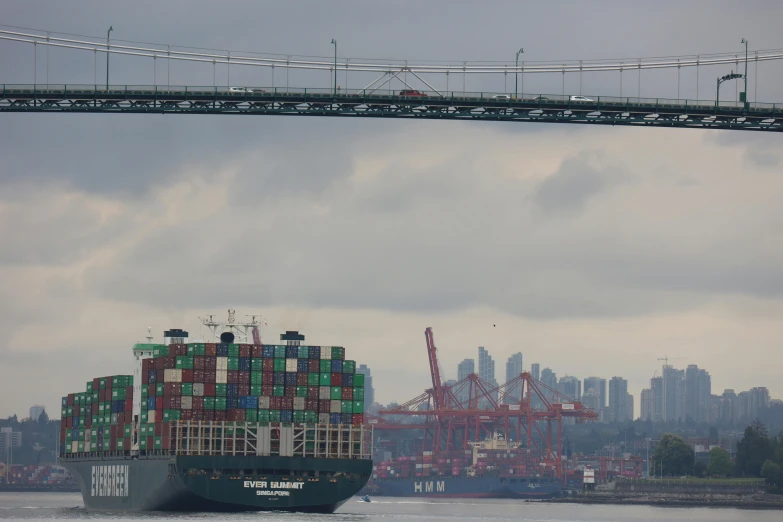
(160, 51)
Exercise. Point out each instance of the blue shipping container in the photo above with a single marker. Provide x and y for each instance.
(290, 379)
(337, 366)
(286, 416)
(291, 352)
(302, 365)
(346, 418)
(150, 403)
(348, 379)
(249, 402)
(152, 376)
(232, 389)
(268, 351)
(314, 352)
(244, 364)
(334, 418)
(222, 350)
(279, 379)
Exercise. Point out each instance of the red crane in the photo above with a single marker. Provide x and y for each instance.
(450, 423)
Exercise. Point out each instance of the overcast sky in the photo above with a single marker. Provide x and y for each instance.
(593, 251)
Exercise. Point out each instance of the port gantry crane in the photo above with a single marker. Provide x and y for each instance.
(467, 411)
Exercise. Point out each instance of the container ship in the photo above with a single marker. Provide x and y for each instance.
(493, 468)
(221, 427)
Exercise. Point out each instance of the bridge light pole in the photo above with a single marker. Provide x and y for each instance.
(108, 33)
(744, 96)
(516, 74)
(334, 42)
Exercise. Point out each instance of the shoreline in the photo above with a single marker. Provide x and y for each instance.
(750, 502)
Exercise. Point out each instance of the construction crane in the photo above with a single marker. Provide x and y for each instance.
(665, 359)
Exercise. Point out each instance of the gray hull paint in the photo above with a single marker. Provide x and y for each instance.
(161, 484)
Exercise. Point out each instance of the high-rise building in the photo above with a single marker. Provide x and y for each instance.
(571, 387)
(513, 369)
(647, 405)
(618, 397)
(750, 402)
(548, 378)
(535, 371)
(591, 400)
(36, 411)
(656, 387)
(465, 368)
(629, 407)
(728, 403)
(9, 439)
(599, 385)
(698, 389)
(486, 372)
(369, 391)
(673, 394)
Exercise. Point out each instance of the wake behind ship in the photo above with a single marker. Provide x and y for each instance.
(221, 427)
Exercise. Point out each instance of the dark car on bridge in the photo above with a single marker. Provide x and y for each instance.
(411, 92)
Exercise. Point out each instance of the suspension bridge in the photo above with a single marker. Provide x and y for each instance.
(393, 89)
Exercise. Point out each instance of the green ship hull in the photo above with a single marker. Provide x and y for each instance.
(218, 483)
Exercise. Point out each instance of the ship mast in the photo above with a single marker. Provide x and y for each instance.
(242, 330)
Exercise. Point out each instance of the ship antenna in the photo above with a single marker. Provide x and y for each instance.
(149, 335)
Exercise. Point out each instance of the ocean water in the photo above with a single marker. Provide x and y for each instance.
(68, 506)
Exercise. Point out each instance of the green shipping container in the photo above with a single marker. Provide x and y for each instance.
(358, 393)
(278, 390)
(89, 387)
(160, 351)
(338, 352)
(346, 407)
(126, 432)
(70, 411)
(256, 389)
(303, 352)
(145, 391)
(263, 416)
(279, 352)
(311, 416)
(184, 362)
(256, 378)
(298, 416)
(279, 365)
(349, 366)
(209, 403)
(103, 383)
(301, 391)
(326, 366)
(159, 389)
(106, 433)
(274, 415)
(326, 379)
(187, 388)
(233, 363)
(93, 446)
(81, 447)
(173, 415)
(158, 442)
(220, 403)
(337, 393)
(120, 443)
(358, 407)
(251, 416)
(95, 396)
(220, 390)
(69, 436)
(143, 443)
(257, 365)
(145, 416)
(118, 394)
(233, 350)
(313, 379)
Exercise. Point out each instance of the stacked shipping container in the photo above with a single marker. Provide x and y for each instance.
(100, 418)
(222, 382)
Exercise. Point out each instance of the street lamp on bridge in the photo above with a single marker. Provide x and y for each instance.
(516, 74)
(744, 95)
(334, 42)
(108, 33)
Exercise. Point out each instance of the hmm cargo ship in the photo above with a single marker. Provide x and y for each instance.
(493, 468)
(221, 427)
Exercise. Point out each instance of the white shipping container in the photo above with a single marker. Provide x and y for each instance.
(336, 406)
(222, 363)
(168, 375)
(75, 446)
(198, 389)
(151, 416)
(325, 393)
(419, 466)
(187, 403)
(326, 352)
(323, 418)
(290, 365)
(299, 403)
(426, 453)
(221, 376)
(263, 403)
(178, 375)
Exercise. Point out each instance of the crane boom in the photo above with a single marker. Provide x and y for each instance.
(432, 352)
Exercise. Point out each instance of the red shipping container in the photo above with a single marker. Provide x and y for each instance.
(211, 349)
(244, 350)
(267, 389)
(172, 388)
(127, 444)
(288, 403)
(244, 377)
(96, 383)
(128, 391)
(159, 363)
(109, 383)
(186, 415)
(128, 405)
(166, 442)
(275, 403)
(314, 366)
(210, 376)
(123, 418)
(257, 351)
(62, 435)
(198, 362)
(233, 377)
(311, 404)
(70, 399)
(198, 415)
(69, 422)
(169, 362)
(312, 393)
(301, 379)
(158, 429)
(145, 375)
(209, 415)
(210, 363)
(187, 376)
(347, 393)
(324, 406)
(337, 379)
(290, 391)
(198, 403)
(159, 404)
(160, 375)
(358, 418)
(220, 415)
(244, 389)
(113, 432)
(94, 408)
(236, 415)
(268, 365)
(209, 389)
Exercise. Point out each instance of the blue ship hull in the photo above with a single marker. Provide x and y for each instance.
(468, 487)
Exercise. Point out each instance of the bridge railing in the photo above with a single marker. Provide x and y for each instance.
(439, 97)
